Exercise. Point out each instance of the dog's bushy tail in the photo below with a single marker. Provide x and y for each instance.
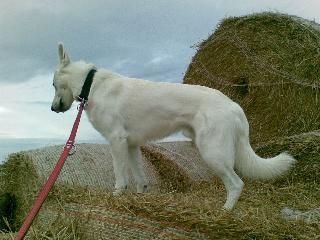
(249, 164)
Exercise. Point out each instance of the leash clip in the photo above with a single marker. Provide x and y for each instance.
(72, 148)
(82, 100)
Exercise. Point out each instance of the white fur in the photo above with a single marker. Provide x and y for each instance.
(129, 112)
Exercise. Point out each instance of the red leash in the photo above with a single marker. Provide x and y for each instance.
(52, 178)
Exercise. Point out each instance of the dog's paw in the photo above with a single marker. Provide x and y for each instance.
(227, 208)
(142, 188)
(119, 191)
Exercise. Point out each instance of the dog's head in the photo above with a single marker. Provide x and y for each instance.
(63, 98)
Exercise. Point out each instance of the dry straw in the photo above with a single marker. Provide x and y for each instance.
(89, 172)
(186, 204)
(269, 63)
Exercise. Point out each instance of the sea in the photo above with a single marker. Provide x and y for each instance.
(14, 145)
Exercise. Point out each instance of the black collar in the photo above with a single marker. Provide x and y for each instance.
(86, 86)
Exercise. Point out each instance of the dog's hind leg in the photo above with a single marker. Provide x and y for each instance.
(120, 155)
(218, 151)
(233, 186)
(135, 163)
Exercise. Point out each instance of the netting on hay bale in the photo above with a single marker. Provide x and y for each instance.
(79, 208)
(269, 63)
(92, 165)
(168, 167)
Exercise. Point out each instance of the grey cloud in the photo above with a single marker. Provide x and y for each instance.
(170, 69)
(106, 32)
(102, 32)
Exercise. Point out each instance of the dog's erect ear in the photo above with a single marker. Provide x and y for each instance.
(64, 59)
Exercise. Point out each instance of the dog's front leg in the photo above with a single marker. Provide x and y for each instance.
(119, 151)
(136, 166)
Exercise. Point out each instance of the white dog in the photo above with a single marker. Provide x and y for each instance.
(129, 112)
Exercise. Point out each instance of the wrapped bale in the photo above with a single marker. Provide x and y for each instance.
(269, 63)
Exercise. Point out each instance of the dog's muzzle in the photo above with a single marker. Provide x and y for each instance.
(58, 109)
(53, 109)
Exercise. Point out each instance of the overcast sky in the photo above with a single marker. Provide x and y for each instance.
(149, 39)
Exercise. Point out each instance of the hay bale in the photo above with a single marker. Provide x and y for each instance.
(178, 165)
(269, 63)
(5, 236)
(305, 148)
(104, 223)
(300, 146)
(7, 211)
(76, 209)
(90, 168)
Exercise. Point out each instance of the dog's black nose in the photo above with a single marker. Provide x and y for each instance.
(52, 109)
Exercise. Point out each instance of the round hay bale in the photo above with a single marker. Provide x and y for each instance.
(269, 63)
(78, 210)
(91, 166)
(305, 148)
(102, 223)
(300, 146)
(168, 167)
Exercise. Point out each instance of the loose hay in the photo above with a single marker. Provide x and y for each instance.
(91, 168)
(188, 208)
(269, 63)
